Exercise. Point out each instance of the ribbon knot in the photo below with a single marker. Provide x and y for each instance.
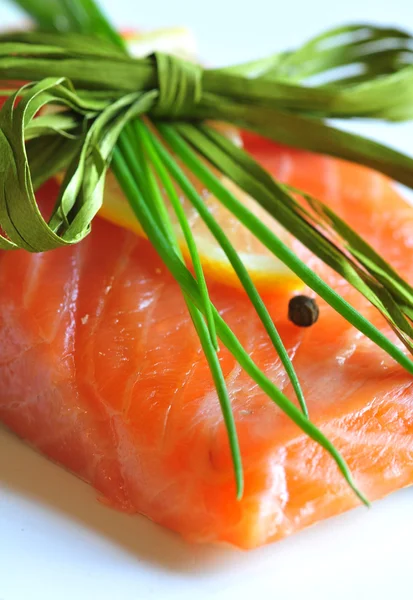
(180, 86)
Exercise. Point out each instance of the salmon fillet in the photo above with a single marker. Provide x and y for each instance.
(101, 370)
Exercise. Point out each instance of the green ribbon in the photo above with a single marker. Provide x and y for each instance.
(179, 84)
(102, 89)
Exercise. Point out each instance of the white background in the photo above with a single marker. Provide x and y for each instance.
(58, 543)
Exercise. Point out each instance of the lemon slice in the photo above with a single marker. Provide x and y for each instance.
(265, 269)
(179, 41)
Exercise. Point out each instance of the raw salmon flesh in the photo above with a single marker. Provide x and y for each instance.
(101, 370)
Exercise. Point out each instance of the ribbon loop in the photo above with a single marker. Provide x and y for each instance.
(180, 86)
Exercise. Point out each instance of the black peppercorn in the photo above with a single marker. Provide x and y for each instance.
(303, 311)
